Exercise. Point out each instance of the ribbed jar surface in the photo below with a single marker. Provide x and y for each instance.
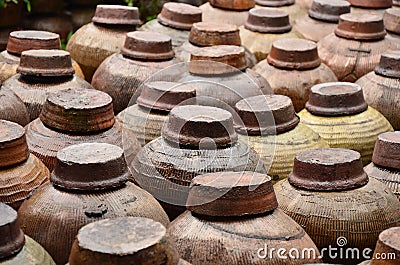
(312, 29)
(213, 14)
(389, 177)
(295, 11)
(12, 108)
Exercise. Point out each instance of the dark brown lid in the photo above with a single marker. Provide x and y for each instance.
(200, 127)
(376, 4)
(387, 150)
(45, 63)
(328, 10)
(78, 110)
(13, 146)
(388, 246)
(294, 54)
(12, 237)
(391, 19)
(359, 26)
(117, 15)
(389, 65)
(164, 96)
(257, 112)
(233, 4)
(336, 99)
(144, 45)
(275, 3)
(231, 194)
(25, 40)
(90, 166)
(268, 20)
(179, 15)
(328, 169)
(212, 33)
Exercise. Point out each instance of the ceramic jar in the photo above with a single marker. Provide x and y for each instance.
(192, 2)
(270, 125)
(222, 11)
(40, 72)
(104, 36)
(340, 115)
(307, 4)
(391, 19)
(89, 183)
(329, 194)
(382, 87)
(122, 74)
(290, 6)
(298, 61)
(356, 46)
(234, 214)
(263, 27)
(12, 108)
(371, 7)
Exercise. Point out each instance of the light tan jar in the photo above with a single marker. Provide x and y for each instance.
(223, 11)
(294, 10)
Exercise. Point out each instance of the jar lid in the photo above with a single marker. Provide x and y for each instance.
(45, 63)
(328, 10)
(391, 19)
(211, 33)
(13, 146)
(164, 96)
(233, 4)
(388, 245)
(294, 54)
(257, 112)
(231, 194)
(389, 65)
(328, 169)
(275, 3)
(387, 150)
(336, 99)
(268, 20)
(396, 3)
(179, 15)
(201, 127)
(117, 15)
(24, 40)
(12, 237)
(90, 166)
(145, 45)
(78, 110)
(358, 26)
(373, 4)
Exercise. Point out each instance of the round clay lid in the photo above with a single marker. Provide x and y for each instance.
(294, 54)
(268, 20)
(201, 127)
(78, 110)
(12, 237)
(231, 194)
(328, 169)
(90, 166)
(373, 4)
(233, 4)
(388, 242)
(328, 10)
(389, 65)
(143, 45)
(257, 112)
(25, 40)
(358, 26)
(205, 34)
(275, 3)
(336, 99)
(391, 19)
(45, 63)
(117, 15)
(396, 3)
(164, 96)
(179, 15)
(387, 150)
(13, 146)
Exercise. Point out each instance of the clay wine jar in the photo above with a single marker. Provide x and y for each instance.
(89, 183)
(370, 7)
(12, 108)
(230, 216)
(223, 11)
(307, 4)
(381, 87)
(271, 126)
(298, 62)
(290, 6)
(105, 35)
(356, 46)
(122, 74)
(40, 72)
(340, 115)
(391, 19)
(329, 194)
(15, 247)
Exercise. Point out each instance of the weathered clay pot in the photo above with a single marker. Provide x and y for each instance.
(195, 140)
(340, 115)
(222, 11)
(322, 19)
(41, 72)
(122, 74)
(175, 20)
(271, 126)
(12, 108)
(356, 46)
(89, 183)
(304, 3)
(382, 87)
(57, 23)
(192, 2)
(370, 7)
(21, 173)
(293, 9)
(226, 212)
(329, 194)
(263, 27)
(298, 61)
(391, 20)
(15, 247)
(104, 36)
